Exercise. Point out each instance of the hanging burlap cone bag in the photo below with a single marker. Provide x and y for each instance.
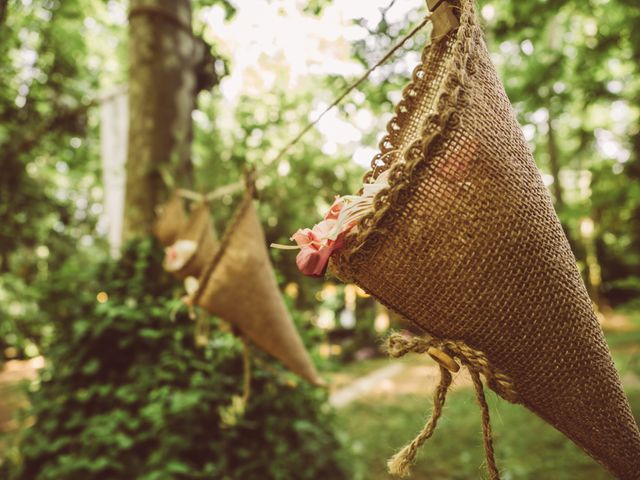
(466, 245)
(196, 245)
(240, 287)
(171, 221)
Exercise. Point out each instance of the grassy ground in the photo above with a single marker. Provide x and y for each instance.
(526, 447)
(387, 417)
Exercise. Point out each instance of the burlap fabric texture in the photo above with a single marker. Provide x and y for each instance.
(171, 221)
(199, 229)
(240, 287)
(466, 245)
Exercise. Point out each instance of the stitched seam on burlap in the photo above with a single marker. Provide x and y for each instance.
(204, 277)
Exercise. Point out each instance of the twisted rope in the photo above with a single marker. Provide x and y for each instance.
(487, 436)
(400, 463)
(477, 363)
(399, 345)
(354, 85)
(213, 195)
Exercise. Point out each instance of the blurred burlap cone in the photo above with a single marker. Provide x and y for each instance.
(199, 233)
(240, 287)
(171, 221)
(466, 245)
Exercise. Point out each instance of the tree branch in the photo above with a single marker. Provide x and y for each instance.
(3, 11)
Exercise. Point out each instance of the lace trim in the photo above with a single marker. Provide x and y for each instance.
(403, 165)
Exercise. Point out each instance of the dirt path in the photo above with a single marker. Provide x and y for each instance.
(364, 385)
(418, 375)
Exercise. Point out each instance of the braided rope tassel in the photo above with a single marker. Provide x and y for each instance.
(487, 436)
(399, 345)
(400, 463)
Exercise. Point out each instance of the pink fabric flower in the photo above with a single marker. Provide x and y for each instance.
(315, 247)
(321, 230)
(314, 255)
(303, 237)
(317, 244)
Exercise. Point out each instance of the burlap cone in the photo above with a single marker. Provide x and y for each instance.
(171, 221)
(240, 287)
(198, 229)
(467, 246)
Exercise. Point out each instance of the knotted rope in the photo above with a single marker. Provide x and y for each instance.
(477, 363)
(487, 436)
(400, 463)
(231, 414)
(236, 186)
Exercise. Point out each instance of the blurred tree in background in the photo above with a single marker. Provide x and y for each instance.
(48, 199)
(571, 69)
(127, 392)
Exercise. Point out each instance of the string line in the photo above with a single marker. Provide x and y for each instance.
(236, 186)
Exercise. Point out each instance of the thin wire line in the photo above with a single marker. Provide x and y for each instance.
(352, 87)
(232, 188)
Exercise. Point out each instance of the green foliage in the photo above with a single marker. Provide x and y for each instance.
(128, 395)
(293, 194)
(18, 305)
(525, 446)
(45, 77)
(571, 68)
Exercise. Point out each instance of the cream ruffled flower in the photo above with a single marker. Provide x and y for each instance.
(177, 255)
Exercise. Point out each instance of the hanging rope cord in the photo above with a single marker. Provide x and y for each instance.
(234, 187)
(246, 371)
(477, 364)
(397, 345)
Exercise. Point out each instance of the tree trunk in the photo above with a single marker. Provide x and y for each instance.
(162, 90)
(554, 164)
(585, 249)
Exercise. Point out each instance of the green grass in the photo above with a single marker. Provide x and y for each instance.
(526, 447)
(360, 369)
(621, 339)
(342, 375)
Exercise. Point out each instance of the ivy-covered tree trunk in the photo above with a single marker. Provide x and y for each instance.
(162, 88)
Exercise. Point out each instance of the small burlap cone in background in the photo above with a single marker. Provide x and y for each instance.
(466, 245)
(171, 221)
(240, 287)
(199, 229)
